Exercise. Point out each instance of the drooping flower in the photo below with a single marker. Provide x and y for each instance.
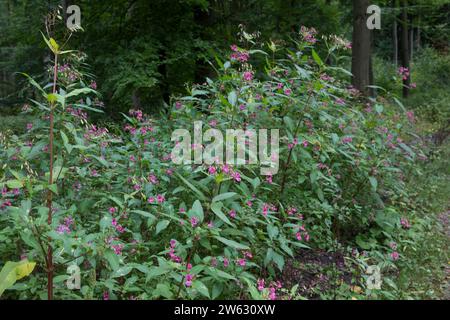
(261, 285)
(188, 282)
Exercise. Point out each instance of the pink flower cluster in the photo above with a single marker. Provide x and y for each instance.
(272, 288)
(226, 169)
(308, 34)
(404, 73)
(248, 76)
(302, 234)
(172, 255)
(239, 54)
(268, 208)
(159, 198)
(119, 228)
(65, 226)
(405, 223)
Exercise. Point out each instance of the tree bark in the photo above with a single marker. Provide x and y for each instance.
(361, 47)
(405, 53)
(395, 34)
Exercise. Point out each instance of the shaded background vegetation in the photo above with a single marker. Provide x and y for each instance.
(145, 51)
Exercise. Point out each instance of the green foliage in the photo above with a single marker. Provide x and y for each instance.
(139, 226)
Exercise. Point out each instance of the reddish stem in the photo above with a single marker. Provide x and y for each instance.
(50, 267)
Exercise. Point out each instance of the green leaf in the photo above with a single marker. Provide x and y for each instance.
(163, 290)
(216, 207)
(197, 210)
(222, 274)
(373, 183)
(192, 187)
(14, 184)
(275, 257)
(201, 288)
(13, 271)
(113, 259)
(162, 225)
(232, 98)
(224, 196)
(232, 243)
(317, 58)
(121, 272)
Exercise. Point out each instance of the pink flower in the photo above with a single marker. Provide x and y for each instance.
(405, 223)
(395, 256)
(212, 170)
(340, 101)
(93, 85)
(226, 262)
(117, 249)
(410, 116)
(153, 179)
(236, 176)
(248, 76)
(242, 262)
(151, 200)
(194, 222)
(261, 285)
(62, 228)
(272, 294)
(29, 126)
(161, 198)
(106, 295)
(112, 210)
(347, 140)
(232, 213)
(188, 282)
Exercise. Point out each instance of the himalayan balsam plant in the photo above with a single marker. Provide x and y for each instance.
(110, 200)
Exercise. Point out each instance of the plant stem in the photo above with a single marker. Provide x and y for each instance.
(286, 167)
(50, 267)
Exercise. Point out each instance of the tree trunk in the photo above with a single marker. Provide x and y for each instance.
(405, 55)
(411, 42)
(371, 91)
(395, 34)
(361, 47)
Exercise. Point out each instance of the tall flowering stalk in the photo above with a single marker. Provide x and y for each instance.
(52, 100)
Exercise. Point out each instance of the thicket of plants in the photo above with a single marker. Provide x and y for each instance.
(110, 200)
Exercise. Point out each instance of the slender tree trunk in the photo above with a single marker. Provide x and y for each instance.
(395, 34)
(361, 47)
(411, 42)
(371, 75)
(405, 55)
